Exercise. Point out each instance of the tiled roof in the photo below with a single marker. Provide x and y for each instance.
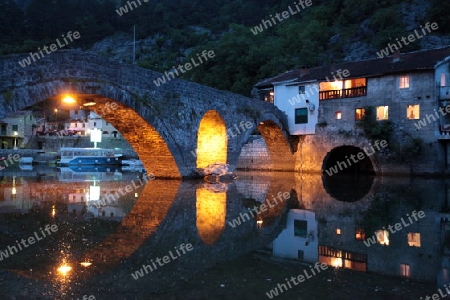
(408, 62)
(19, 113)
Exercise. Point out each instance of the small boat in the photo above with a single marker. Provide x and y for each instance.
(26, 160)
(89, 156)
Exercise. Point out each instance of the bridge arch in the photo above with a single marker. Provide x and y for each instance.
(348, 159)
(212, 140)
(277, 155)
(348, 173)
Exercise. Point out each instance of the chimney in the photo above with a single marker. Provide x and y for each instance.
(396, 56)
(304, 70)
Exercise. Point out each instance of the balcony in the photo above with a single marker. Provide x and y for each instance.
(444, 92)
(343, 93)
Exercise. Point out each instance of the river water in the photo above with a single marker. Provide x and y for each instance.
(66, 233)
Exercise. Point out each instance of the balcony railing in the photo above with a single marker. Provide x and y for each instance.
(444, 92)
(344, 93)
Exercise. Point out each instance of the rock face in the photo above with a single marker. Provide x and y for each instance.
(161, 123)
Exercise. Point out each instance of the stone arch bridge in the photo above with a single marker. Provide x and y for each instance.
(175, 128)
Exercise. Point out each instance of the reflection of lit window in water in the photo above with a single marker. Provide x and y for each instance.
(414, 239)
(211, 209)
(336, 262)
(382, 237)
(342, 258)
(14, 190)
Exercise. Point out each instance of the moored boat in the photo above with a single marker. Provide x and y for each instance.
(89, 156)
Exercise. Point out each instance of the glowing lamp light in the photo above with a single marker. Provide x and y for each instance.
(86, 264)
(64, 269)
(14, 191)
(90, 103)
(69, 100)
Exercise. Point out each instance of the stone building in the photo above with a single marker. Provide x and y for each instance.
(406, 96)
(16, 129)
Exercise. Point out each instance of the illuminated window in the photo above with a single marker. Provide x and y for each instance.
(413, 112)
(404, 82)
(405, 270)
(382, 237)
(338, 231)
(338, 115)
(360, 234)
(359, 114)
(267, 96)
(442, 79)
(301, 89)
(414, 239)
(382, 112)
(331, 85)
(301, 115)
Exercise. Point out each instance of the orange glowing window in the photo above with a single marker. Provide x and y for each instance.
(382, 112)
(414, 239)
(404, 82)
(382, 237)
(331, 85)
(405, 270)
(338, 231)
(359, 114)
(360, 234)
(413, 112)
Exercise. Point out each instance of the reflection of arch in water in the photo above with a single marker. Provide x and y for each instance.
(348, 173)
(348, 188)
(142, 221)
(211, 211)
(134, 230)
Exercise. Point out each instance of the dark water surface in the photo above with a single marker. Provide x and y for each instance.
(120, 237)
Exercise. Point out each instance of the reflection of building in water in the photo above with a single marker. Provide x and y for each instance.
(409, 252)
(299, 238)
(17, 195)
